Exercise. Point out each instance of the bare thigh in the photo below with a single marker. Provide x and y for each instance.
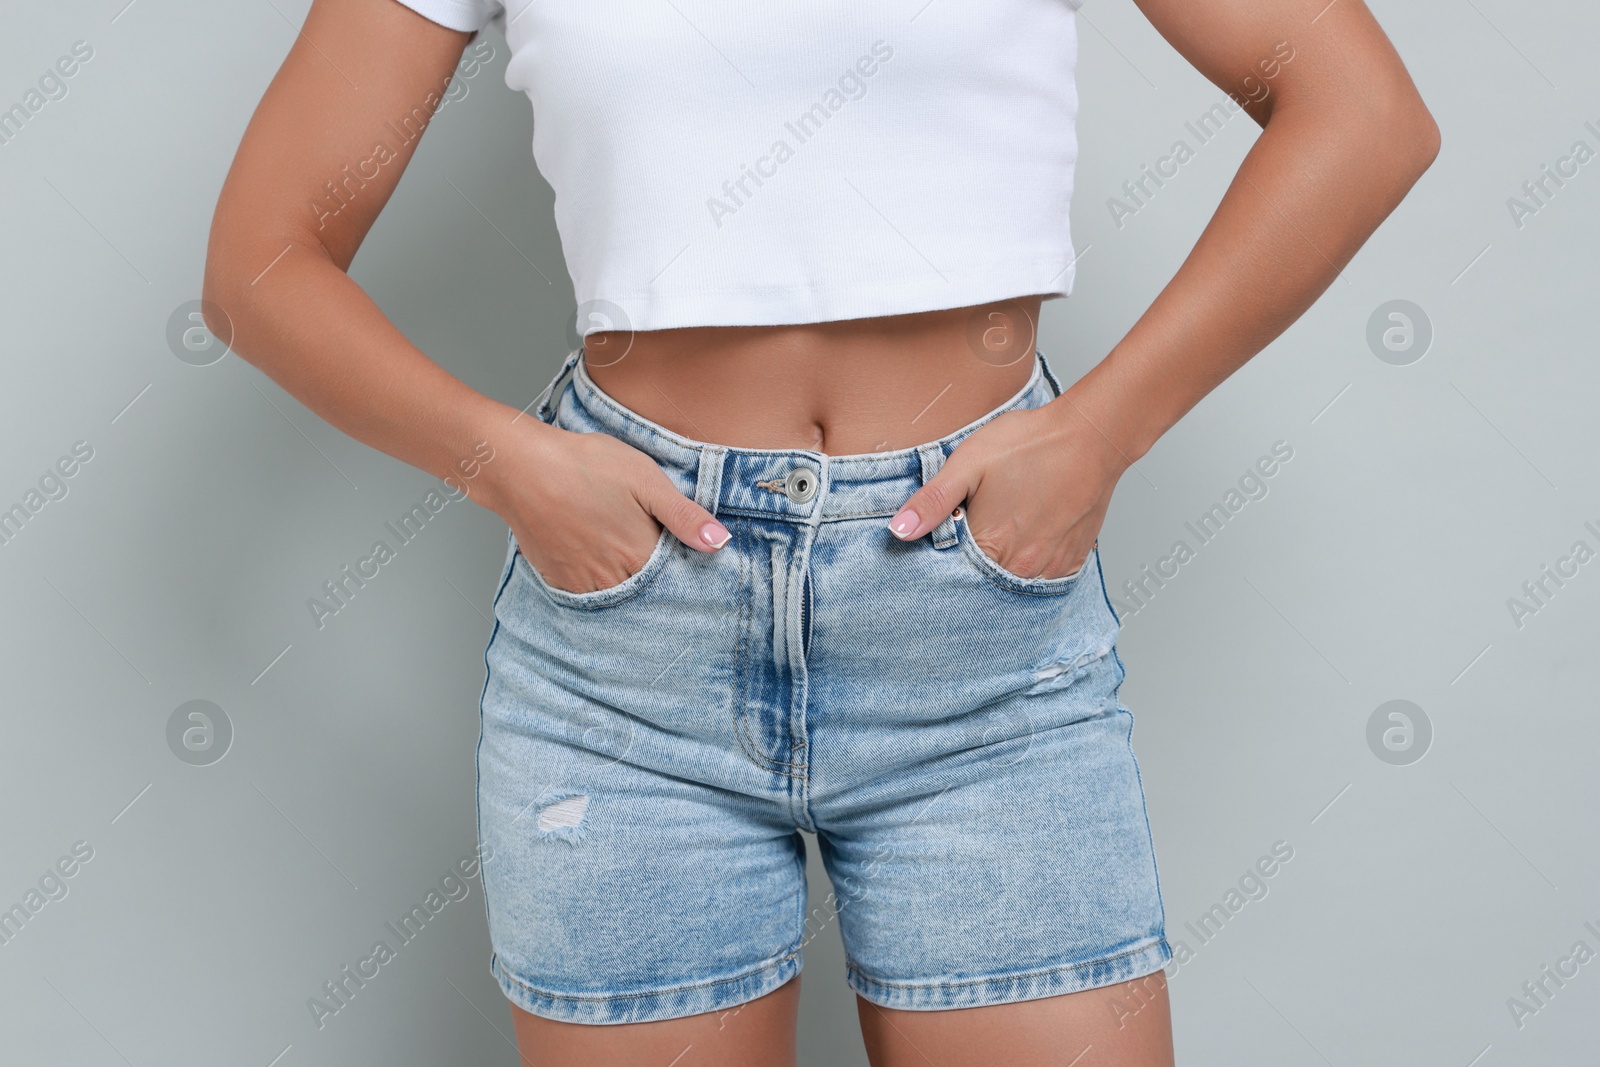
(759, 1034)
(1125, 1025)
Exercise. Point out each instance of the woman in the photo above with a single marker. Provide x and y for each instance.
(806, 538)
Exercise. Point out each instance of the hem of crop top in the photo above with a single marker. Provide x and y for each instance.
(467, 16)
(790, 305)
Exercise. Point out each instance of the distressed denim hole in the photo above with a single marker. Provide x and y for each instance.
(1062, 673)
(564, 819)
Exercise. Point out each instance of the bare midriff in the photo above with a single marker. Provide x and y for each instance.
(840, 388)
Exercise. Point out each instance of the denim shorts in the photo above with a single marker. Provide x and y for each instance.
(949, 731)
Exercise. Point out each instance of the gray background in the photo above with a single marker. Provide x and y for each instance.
(1379, 566)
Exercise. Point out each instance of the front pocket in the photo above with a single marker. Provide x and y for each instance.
(1015, 582)
(627, 589)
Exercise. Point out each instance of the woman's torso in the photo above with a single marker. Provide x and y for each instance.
(798, 220)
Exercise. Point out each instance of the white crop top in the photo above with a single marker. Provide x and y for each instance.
(763, 163)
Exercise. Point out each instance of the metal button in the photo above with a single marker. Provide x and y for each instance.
(801, 485)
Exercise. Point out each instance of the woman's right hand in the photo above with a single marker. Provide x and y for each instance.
(586, 509)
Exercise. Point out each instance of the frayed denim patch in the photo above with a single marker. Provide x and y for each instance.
(562, 819)
(1058, 674)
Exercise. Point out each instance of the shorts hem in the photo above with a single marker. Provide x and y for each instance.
(677, 1002)
(1011, 988)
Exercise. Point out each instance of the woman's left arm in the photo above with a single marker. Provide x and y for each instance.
(1345, 136)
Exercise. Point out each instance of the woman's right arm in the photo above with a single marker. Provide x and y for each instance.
(584, 507)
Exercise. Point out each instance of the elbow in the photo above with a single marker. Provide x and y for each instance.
(1401, 123)
(1419, 138)
(250, 268)
(212, 301)
(231, 301)
(1396, 140)
(1433, 143)
(220, 288)
(1381, 121)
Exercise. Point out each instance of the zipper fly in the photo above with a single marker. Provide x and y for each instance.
(805, 617)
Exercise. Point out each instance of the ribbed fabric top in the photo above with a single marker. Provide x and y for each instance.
(728, 164)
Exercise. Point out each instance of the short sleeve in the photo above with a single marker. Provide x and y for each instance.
(467, 15)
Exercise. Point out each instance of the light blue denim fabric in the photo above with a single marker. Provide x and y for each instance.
(949, 730)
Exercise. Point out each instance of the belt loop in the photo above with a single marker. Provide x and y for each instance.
(1049, 374)
(544, 411)
(819, 500)
(932, 456)
(708, 481)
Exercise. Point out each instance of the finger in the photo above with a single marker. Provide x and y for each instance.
(933, 503)
(689, 522)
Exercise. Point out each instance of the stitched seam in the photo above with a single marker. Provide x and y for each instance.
(784, 719)
(801, 520)
(738, 660)
(488, 671)
(1144, 806)
(797, 714)
(756, 513)
(1003, 978)
(740, 696)
(1002, 578)
(1004, 271)
(617, 594)
(656, 993)
(879, 514)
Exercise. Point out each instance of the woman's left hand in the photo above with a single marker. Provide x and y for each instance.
(1035, 485)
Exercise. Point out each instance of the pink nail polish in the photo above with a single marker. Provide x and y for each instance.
(714, 534)
(903, 523)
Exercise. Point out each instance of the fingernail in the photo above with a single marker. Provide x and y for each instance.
(903, 523)
(714, 534)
